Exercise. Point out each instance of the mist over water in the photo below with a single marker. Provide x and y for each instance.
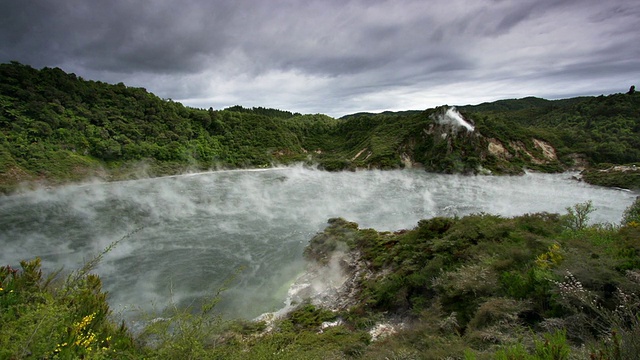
(199, 229)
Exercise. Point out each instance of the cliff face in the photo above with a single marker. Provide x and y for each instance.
(334, 270)
(440, 140)
(451, 143)
(334, 285)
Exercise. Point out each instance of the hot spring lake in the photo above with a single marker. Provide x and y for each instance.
(197, 230)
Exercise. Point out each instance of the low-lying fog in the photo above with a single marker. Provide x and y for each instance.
(199, 229)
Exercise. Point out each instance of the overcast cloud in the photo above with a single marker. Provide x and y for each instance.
(333, 56)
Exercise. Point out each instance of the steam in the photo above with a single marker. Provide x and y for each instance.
(454, 118)
(323, 285)
(199, 229)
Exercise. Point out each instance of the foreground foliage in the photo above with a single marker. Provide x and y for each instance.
(537, 286)
(45, 318)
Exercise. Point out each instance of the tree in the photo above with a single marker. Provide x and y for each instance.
(632, 213)
(578, 215)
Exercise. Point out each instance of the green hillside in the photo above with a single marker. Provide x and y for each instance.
(605, 128)
(57, 127)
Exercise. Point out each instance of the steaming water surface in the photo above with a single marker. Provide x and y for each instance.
(199, 229)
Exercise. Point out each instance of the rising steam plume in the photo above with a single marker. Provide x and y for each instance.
(454, 118)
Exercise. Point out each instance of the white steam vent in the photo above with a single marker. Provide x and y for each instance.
(454, 118)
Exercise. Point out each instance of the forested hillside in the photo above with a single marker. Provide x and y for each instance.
(604, 128)
(601, 131)
(57, 127)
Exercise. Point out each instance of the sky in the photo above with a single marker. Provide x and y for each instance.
(333, 57)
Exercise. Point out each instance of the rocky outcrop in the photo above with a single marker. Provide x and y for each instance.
(334, 269)
(498, 150)
(548, 152)
(542, 152)
(333, 278)
(333, 274)
(334, 285)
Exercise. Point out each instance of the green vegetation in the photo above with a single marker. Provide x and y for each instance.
(631, 216)
(603, 131)
(57, 127)
(44, 317)
(537, 286)
(626, 177)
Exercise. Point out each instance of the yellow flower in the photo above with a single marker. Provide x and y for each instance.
(551, 258)
(59, 347)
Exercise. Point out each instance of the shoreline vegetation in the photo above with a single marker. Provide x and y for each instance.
(536, 286)
(57, 128)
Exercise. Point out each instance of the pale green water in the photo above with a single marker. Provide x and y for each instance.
(198, 229)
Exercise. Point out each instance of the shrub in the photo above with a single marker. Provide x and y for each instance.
(554, 347)
(631, 216)
(462, 289)
(497, 311)
(619, 323)
(578, 216)
(535, 286)
(308, 317)
(551, 258)
(513, 352)
(70, 320)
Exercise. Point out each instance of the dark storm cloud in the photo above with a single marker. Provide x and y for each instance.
(161, 36)
(126, 36)
(330, 56)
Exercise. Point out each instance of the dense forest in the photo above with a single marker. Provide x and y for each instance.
(60, 127)
(57, 127)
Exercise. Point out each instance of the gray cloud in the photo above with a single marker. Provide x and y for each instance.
(119, 36)
(332, 56)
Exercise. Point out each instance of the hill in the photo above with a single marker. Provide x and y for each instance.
(57, 127)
